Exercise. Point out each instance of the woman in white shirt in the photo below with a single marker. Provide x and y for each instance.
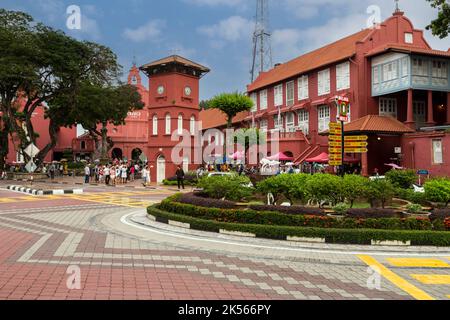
(124, 174)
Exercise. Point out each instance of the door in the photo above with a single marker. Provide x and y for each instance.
(160, 169)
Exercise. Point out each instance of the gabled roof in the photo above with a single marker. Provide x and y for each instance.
(175, 59)
(213, 118)
(408, 49)
(377, 124)
(334, 52)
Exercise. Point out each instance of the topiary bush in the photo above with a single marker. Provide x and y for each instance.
(190, 198)
(380, 190)
(402, 178)
(373, 213)
(354, 187)
(231, 187)
(341, 208)
(324, 188)
(438, 190)
(291, 186)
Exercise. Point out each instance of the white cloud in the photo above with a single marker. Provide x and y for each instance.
(213, 3)
(232, 29)
(151, 31)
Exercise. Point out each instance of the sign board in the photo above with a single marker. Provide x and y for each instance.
(356, 150)
(423, 172)
(31, 167)
(398, 150)
(359, 144)
(335, 163)
(335, 125)
(31, 150)
(337, 132)
(349, 138)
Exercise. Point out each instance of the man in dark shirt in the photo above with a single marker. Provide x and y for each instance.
(180, 177)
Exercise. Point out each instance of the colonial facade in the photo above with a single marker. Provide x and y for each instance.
(399, 90)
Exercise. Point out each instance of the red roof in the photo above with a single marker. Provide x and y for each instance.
(213, 118)
(381, 124)
(334, 52)
(408, 49)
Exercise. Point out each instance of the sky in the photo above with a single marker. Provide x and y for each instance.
(218, 33)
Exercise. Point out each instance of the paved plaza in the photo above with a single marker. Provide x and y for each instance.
(101, 245)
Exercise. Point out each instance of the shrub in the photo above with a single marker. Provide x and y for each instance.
(175, 183)
(291, 186)
(411, 196)
(341, 208)
(402, 178)
(354, 187)
(440, 214)
(438, 190)
(372, 213)
(381, 190)
(414, 208)
(226, 187)
(295, 210)
(324, 187)
(190, 198)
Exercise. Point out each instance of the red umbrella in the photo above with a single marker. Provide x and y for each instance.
(280, 157)
(322, 158)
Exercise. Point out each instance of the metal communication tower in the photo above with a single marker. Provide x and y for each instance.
(262, 48)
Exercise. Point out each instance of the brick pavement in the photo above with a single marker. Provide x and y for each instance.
(41, 238)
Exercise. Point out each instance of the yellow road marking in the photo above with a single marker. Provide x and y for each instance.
(396, 279)
(417, 263)
(438, 279)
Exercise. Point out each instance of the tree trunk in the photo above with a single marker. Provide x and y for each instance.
(104, 141)
(53, 130)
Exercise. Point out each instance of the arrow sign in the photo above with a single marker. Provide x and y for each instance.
(356, 138)
(335, 163)
(334, 125)
(31, 167)
(356, 150)
(355, 144)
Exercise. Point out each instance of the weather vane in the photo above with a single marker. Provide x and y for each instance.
(397, 8)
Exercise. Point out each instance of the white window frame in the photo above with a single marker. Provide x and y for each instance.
(290, 93)
(439, 69)
(303, 121)
(192, 125)
(254, 98)
(290, 122)
(303, 88)
(420, 67)
(168, 124)
(324, 82)
(409, 38)
(324, 118)
(388, 107)
(343, 76)
(278, 95)
(390, 71)
(376, 75)
(278, 122)
(155, 125)
(263, 125)
(438, 151)
(263, 99)
(180, 124)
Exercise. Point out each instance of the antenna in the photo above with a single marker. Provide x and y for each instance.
(262, 48)
(397, 8)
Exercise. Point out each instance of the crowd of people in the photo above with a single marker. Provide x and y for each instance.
(116, 173)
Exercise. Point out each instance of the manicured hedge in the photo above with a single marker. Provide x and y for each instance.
(296, 210)
(279, 219)
(373, 213)
(342, 236)
(440, 214)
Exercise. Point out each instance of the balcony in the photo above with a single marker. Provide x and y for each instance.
(292, 134)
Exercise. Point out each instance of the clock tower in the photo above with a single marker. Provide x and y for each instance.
(173, 105)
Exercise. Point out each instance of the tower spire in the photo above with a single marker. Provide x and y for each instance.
(262, 48)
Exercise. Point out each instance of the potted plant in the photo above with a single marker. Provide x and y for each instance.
(416, 211)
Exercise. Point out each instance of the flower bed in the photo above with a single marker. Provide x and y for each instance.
(373, 213)
(249, 216)
(295, 210)
(331, 235)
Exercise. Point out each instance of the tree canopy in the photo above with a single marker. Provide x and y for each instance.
(231, 104)
(441, 25)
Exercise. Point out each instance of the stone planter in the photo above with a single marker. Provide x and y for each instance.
(336, 216)
(422, 214)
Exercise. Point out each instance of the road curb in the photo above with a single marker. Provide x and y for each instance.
(40, 192)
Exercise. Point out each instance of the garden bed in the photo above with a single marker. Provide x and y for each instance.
(331, 235)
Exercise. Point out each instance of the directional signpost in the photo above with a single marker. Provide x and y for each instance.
(31, 151)
(338, 143)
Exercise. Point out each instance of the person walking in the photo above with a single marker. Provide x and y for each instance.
(112, 173)
(107, 173)
(52, 171)
(180, 177)
(124, 173)
(132, 173)
(145, 175)
(87, 173)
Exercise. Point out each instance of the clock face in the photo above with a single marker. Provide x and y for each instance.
(187, 91)
(160, 89)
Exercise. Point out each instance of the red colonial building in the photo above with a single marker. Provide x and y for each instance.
(398, 87)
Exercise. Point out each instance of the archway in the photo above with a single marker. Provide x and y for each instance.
(135, 154)
(160, 169)
(289, 154)
(117, 154)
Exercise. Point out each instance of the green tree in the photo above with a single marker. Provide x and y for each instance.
(402, 178)
(231, 104)
(324, 188)
(353, 187)
(441, 25)
(232, 187)
(248, 138)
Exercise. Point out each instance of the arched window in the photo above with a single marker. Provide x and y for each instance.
(168, 124)
(192, 125)
(155, 125)
(180, 124)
